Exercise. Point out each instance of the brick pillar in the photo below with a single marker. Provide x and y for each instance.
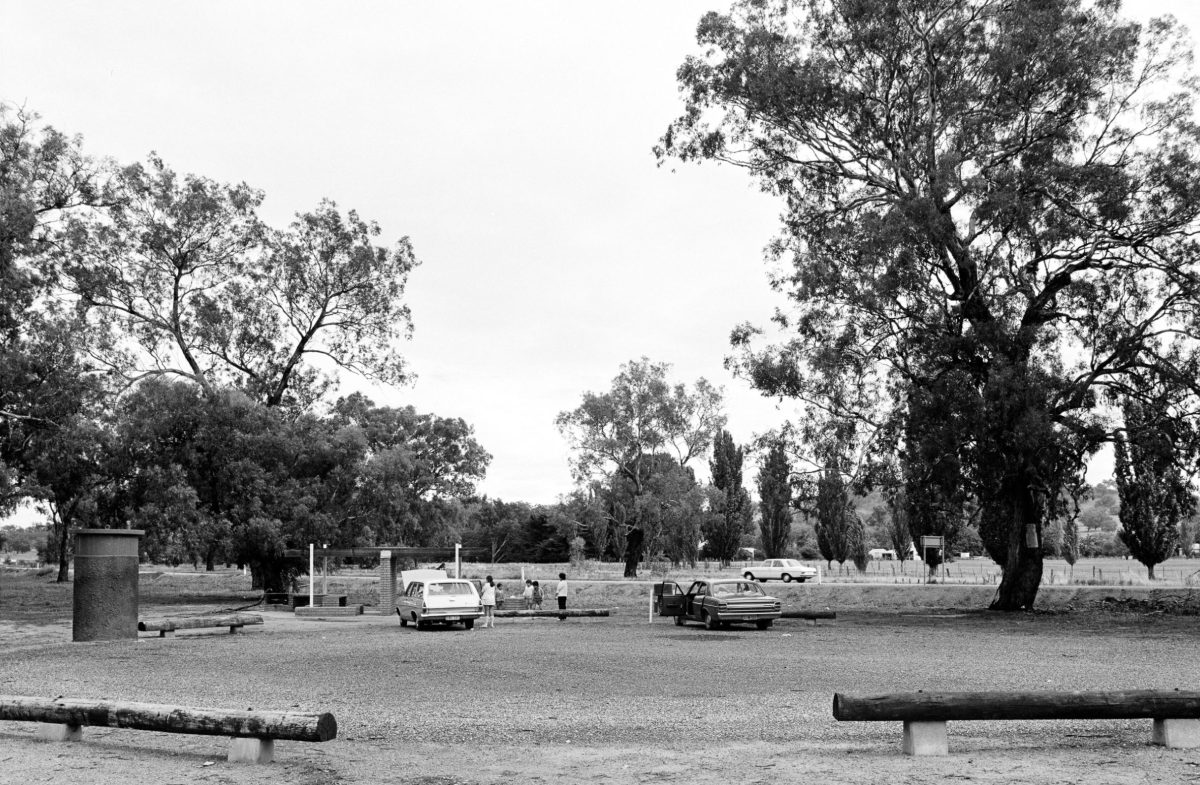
(387, 584)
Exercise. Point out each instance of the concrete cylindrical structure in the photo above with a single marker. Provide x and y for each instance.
(106, 584)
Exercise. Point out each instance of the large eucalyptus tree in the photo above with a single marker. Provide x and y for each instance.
(989, 218)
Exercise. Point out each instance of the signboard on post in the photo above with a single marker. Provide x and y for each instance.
(933, 542)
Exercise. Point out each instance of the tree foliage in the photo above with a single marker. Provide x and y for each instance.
(775, 500)
(840, 532)
(730, 510)
(989, 208)
(620, 439)
(44, 178)
(185, 280)
(1155, 496)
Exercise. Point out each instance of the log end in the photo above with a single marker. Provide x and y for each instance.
(326, 727)
(837, 709)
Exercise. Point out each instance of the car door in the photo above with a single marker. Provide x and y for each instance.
(694, 600)
(669, 599)
(411, 600)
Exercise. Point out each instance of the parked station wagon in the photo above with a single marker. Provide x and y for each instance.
(719, 603)
(439, 600)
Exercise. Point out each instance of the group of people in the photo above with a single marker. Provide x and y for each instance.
(533, 597)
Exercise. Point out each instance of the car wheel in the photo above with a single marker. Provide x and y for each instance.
(403, 621)
(468, 624)
(786, 578)
(749, 576)
(763, 624)
(679, 621)
(710, 621)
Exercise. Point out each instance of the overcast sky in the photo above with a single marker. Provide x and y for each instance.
(510, 141)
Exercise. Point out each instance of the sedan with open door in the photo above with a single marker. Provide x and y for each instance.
(718, 603)
(785, 570)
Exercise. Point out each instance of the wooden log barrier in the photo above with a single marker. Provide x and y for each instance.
(812, 616)
(165, 627)
(1176, 713)
(547, 613)
(254, 732)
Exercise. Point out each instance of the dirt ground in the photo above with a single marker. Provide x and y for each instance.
(615, 700)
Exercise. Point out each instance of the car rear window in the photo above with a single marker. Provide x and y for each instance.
(449, 588)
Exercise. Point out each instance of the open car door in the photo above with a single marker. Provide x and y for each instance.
(668, 599)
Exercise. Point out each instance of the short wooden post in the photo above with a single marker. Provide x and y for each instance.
(925, 738)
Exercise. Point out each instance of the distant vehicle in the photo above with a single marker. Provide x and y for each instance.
(720, 603)
(886, 554)
(433, 598)
(779, 570)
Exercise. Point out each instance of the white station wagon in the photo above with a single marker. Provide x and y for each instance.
(437, 599)
(779, 570)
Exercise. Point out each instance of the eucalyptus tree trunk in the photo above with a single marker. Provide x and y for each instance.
(634, 543)
(1023, 561)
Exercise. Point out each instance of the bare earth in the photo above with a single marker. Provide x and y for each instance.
(601, 701)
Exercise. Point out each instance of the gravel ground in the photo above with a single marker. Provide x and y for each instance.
(607, 700)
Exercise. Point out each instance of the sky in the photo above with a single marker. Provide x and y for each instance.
(511, 142)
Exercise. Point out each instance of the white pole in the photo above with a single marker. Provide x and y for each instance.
(325, 569)
(311, 572)
(457, 560)
(818, 574)
(651, 619)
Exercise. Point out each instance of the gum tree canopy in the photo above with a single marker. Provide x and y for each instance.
(990, 211)
(629, 438)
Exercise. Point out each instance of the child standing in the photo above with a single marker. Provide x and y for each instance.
(562, 593)
(536, 596)
(488, 597)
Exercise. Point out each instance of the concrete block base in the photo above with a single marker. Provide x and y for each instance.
(925, 738)
(242, 750)
(56, 731)
(1177, 734)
